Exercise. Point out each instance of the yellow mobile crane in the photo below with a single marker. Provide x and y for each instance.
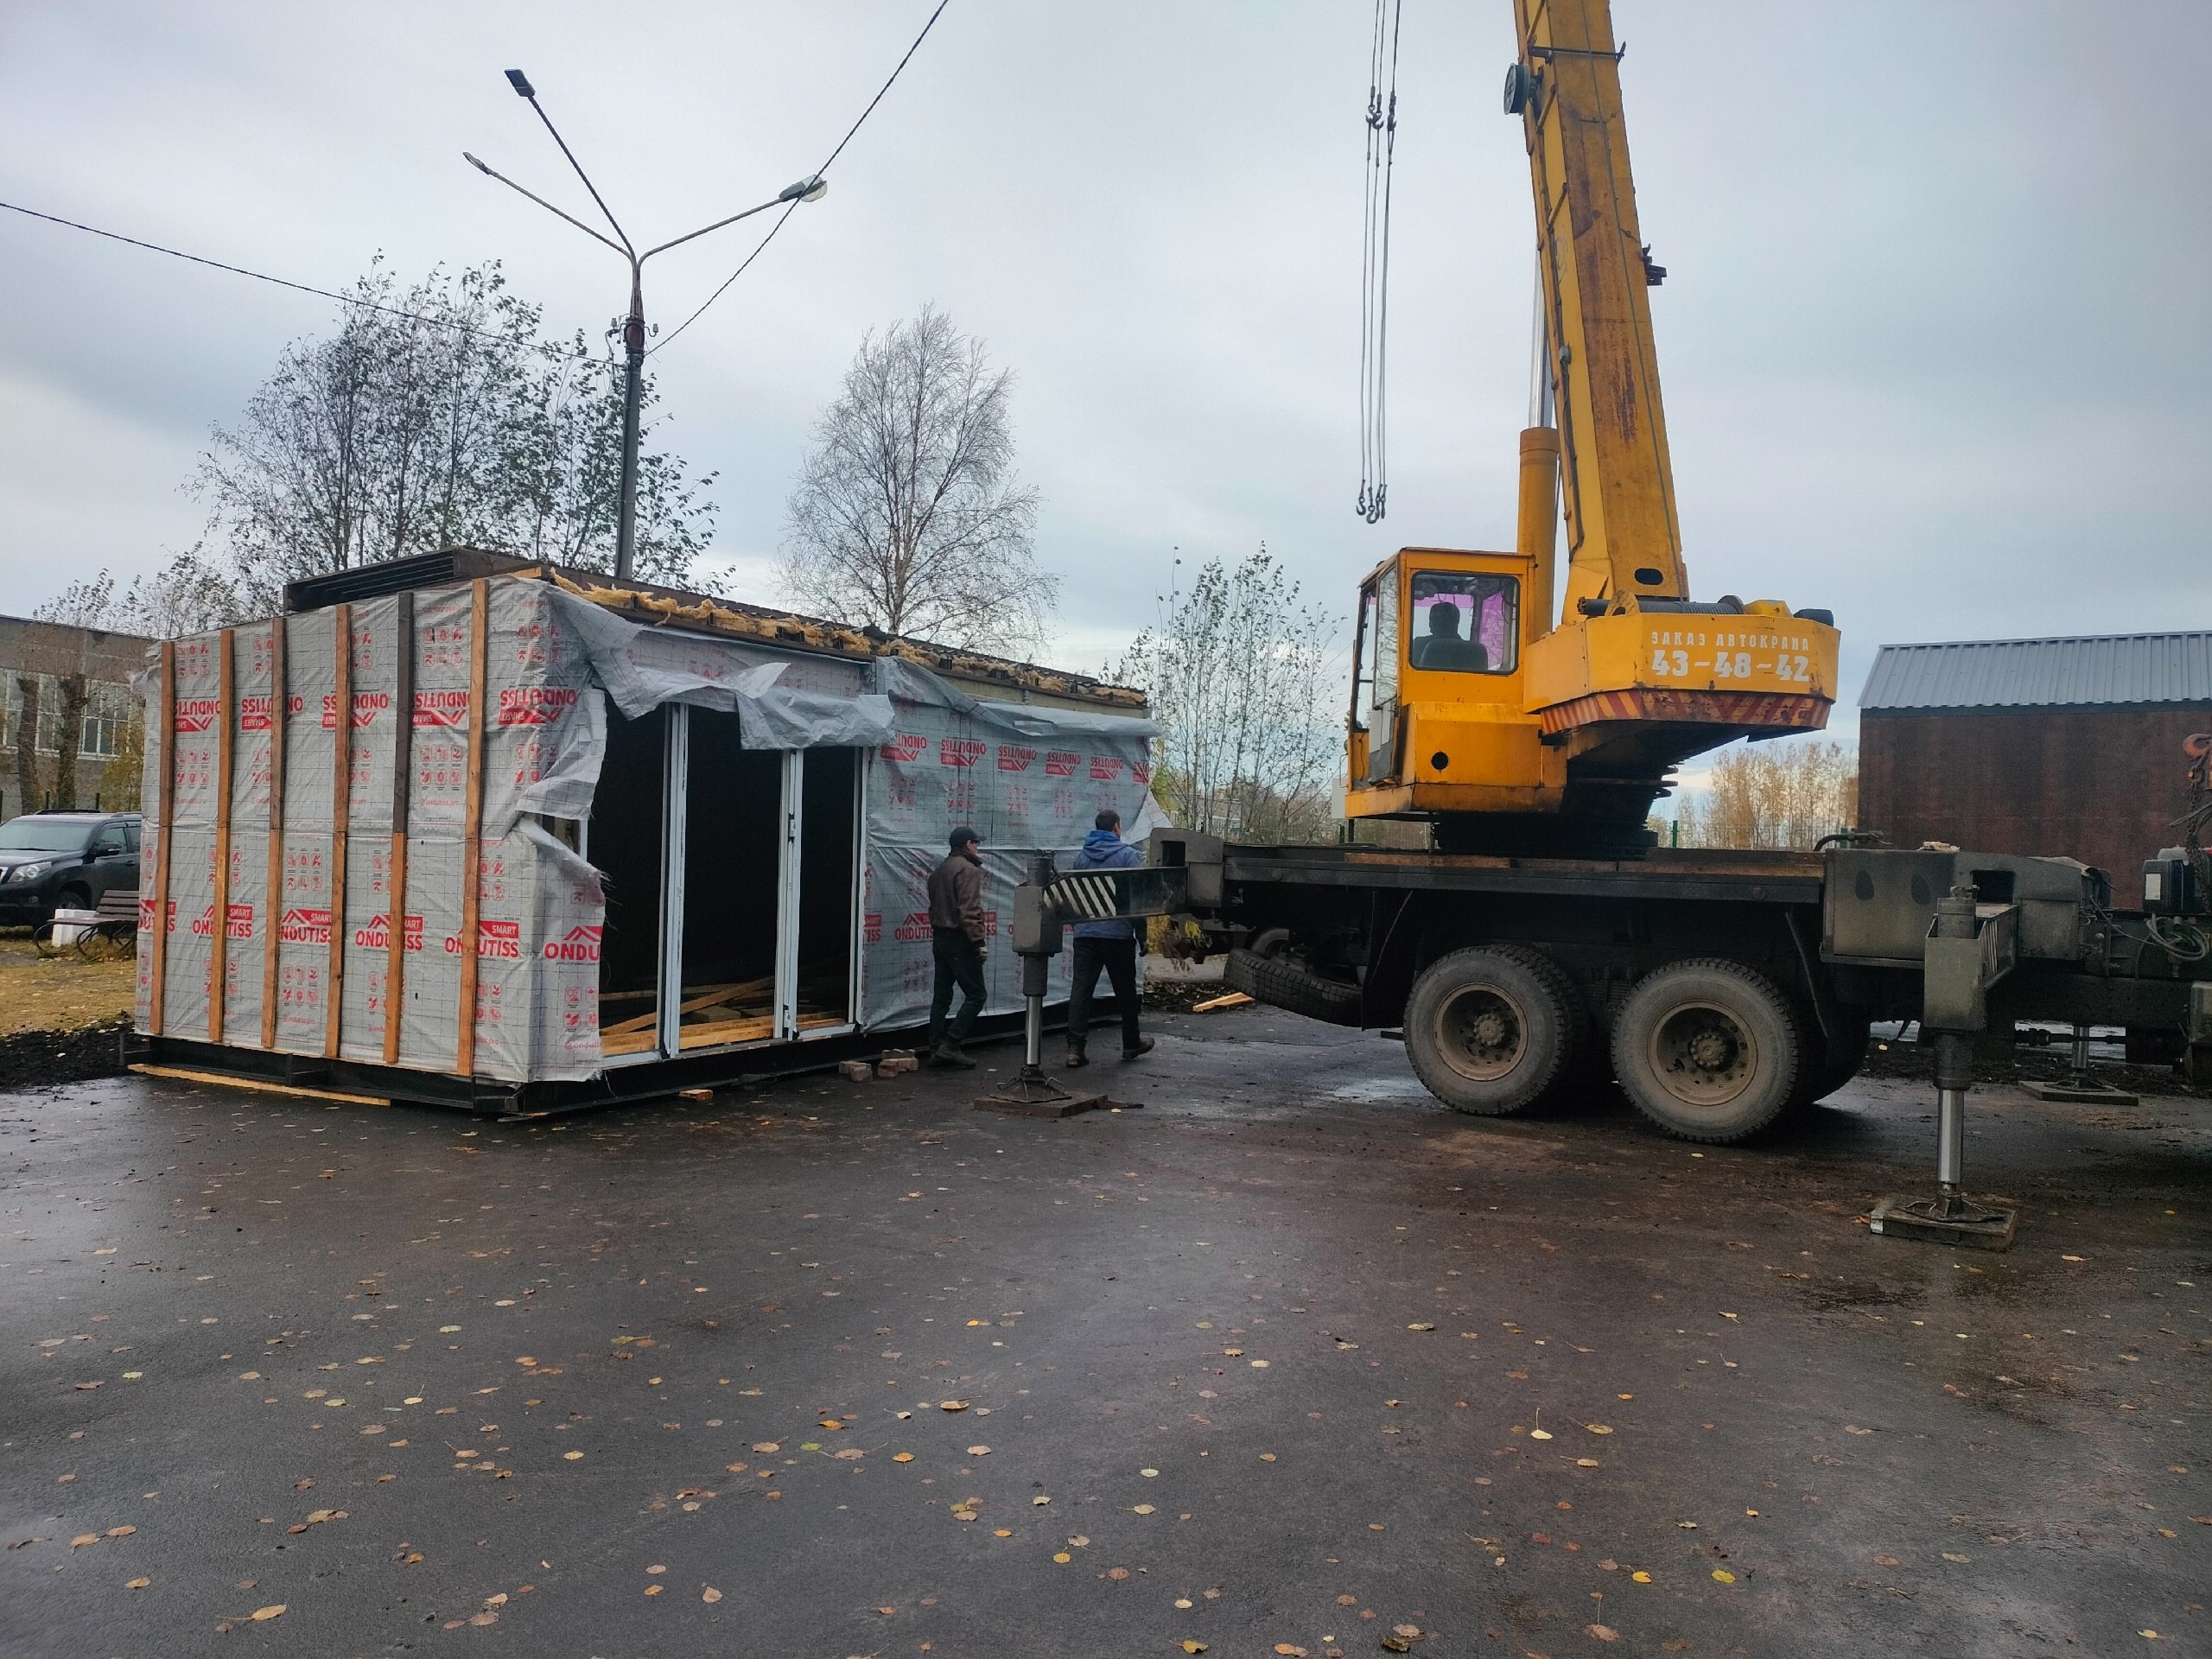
(1477, 704)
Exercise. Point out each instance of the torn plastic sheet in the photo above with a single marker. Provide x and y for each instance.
(795, 700)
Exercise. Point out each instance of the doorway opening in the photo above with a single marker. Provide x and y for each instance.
(732, 848)
(625, 841)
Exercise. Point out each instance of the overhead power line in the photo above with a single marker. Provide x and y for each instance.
(258, 275)
(447, 322)
(819, 172)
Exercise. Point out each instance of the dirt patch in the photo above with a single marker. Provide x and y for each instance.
(33, 1059)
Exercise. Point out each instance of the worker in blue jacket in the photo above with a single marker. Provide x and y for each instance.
(1110, 944)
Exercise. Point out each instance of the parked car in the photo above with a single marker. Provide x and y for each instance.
(63, 859)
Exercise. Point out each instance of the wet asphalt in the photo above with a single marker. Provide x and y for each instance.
(1283, 1362)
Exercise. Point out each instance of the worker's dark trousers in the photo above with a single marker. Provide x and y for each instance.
(959, 962)
(1119, 958)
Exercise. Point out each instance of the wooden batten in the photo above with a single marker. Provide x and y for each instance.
(166, 805)
(273, 899)
(219, 932)
(402, 773)
(341, 803)
(471, 847)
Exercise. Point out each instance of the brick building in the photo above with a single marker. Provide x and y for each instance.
(47, 654)
(2035, 747)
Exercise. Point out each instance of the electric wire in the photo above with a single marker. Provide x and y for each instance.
(258, 275)
(782, 218)
(1375, 261)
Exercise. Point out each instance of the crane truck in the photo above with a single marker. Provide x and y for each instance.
(1541, 941)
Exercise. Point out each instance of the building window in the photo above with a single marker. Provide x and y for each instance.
(108, 708)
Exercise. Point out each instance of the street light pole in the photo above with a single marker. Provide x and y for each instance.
(813, 187)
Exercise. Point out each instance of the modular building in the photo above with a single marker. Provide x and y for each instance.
(639, 839)
(2036, 746)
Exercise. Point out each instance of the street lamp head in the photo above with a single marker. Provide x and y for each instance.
(520, 82)
(810, 188)
(474, 163)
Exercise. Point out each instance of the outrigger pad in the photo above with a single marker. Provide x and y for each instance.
(1959, 1222)
(1019, 1105)
(2085, 1094)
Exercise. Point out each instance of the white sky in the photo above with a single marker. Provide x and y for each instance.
(1933, 341)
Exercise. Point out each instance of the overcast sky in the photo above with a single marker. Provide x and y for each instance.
(1934, 340)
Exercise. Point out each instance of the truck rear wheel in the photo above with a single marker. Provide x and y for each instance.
(1708, 1049)
(1490, 1029)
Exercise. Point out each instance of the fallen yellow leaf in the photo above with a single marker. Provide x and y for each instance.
(262, 1615)
(1722, 1575)
(952, 1405)
(710, 1594)
(1641, 1576)
(979, 1451)
(1597, 1428)
(572, 1456)
(1423, 1326)
(1191, 1646)
(902, 1457)
(1540, 1434)
(1062, 1557)
(1143, 1509)
(136, 1583)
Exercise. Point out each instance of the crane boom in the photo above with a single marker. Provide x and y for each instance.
(1623, 535)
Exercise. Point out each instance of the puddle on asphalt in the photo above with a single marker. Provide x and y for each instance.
(1380, 1089)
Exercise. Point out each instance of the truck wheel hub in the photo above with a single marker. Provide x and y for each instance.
(1703, 1055)
(1481, 1034)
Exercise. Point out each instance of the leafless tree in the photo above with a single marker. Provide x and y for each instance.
(1773, 796)
(907, 515)
(1241, 677)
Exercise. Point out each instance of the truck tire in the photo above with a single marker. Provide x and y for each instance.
(1490, 1029)
(1281, 983)
(1708, 1049)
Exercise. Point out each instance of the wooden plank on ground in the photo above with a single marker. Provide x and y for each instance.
(1216, 1005)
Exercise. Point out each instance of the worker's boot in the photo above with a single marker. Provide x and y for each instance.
(1141, 1048)
(946, 1054)
(1076, 1055)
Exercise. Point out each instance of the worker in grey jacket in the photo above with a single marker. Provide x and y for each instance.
(1110, 945)
(956, 940)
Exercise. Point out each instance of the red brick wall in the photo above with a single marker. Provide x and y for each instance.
(2101, 785)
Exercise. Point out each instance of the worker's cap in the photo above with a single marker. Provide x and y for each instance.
(962, 835)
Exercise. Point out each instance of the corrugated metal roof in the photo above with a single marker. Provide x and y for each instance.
(2101, 671)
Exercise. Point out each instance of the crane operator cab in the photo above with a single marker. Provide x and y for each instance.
(1474, 709)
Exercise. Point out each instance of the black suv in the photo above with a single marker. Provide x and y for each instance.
(67, 860)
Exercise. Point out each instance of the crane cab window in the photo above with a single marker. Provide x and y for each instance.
(1465, 623)
(1374, 675)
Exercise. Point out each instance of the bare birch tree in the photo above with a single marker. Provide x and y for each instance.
(1241, 677)
(907, 517)
(1773, 796)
